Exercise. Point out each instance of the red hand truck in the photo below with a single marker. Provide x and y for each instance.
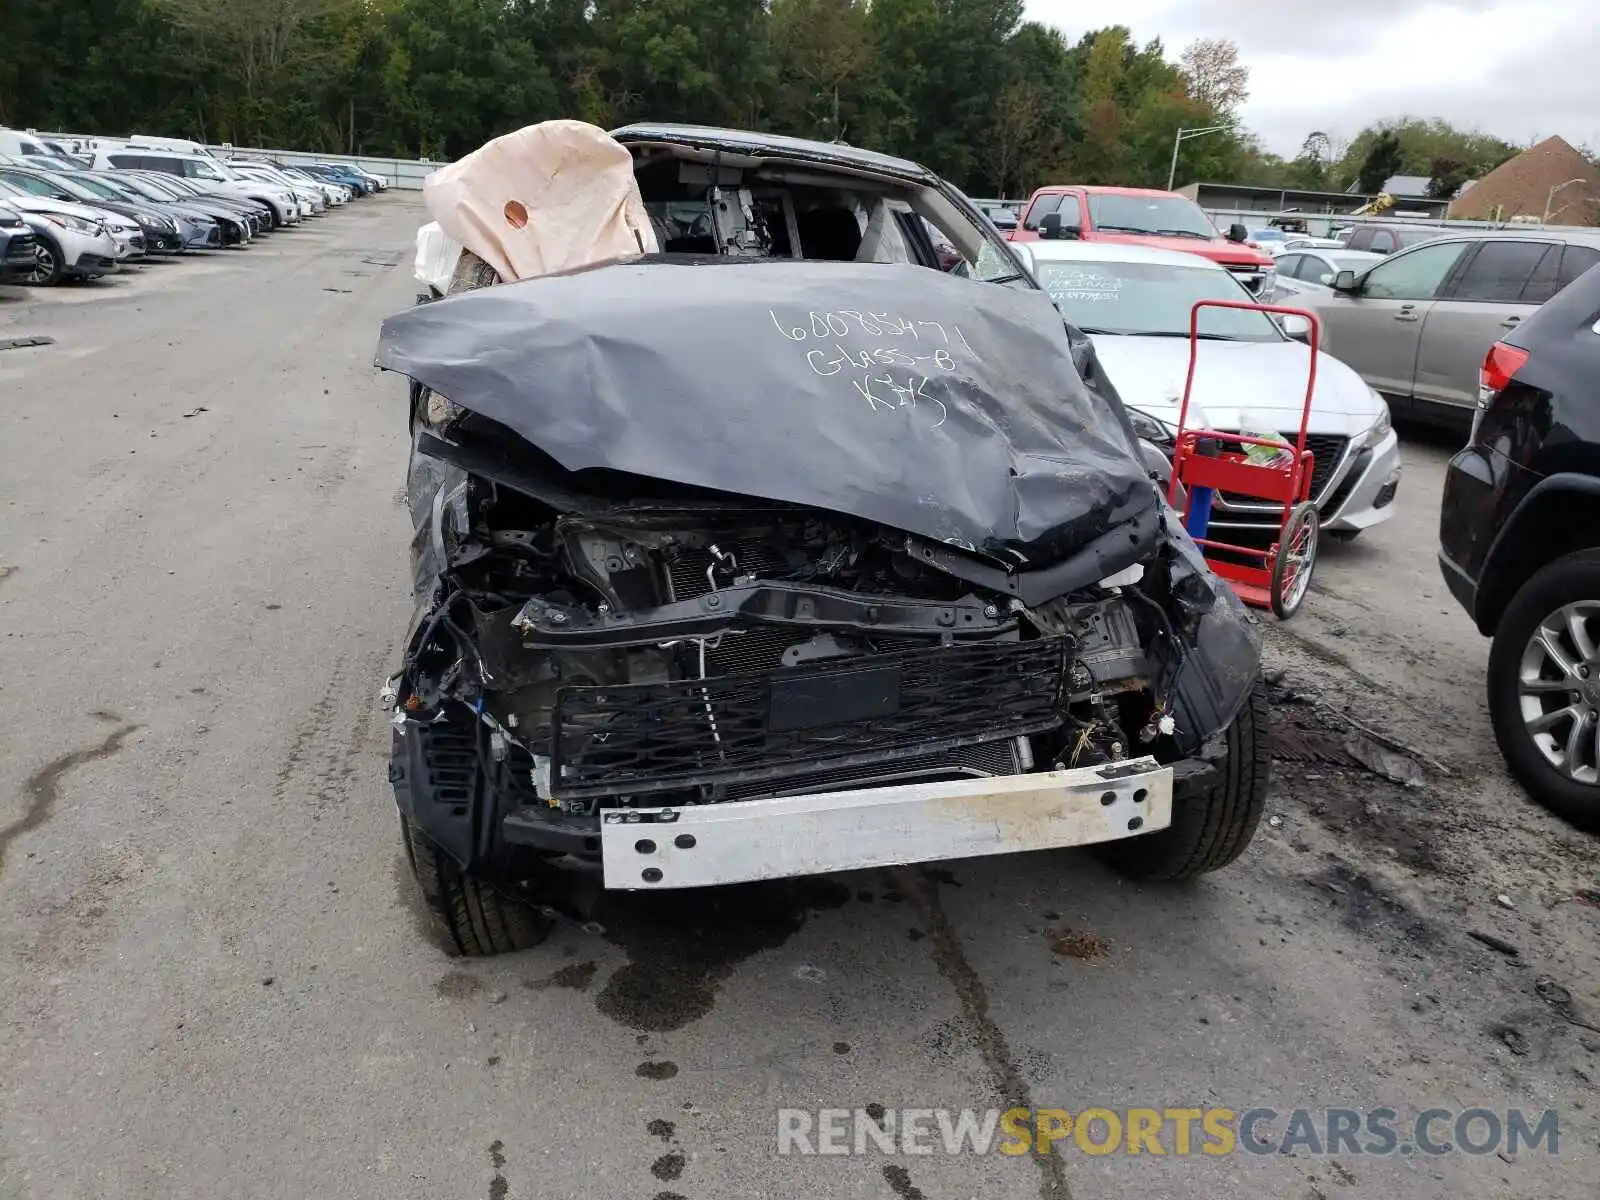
(1283, 577)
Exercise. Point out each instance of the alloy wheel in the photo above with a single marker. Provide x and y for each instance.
(46, 269)
(1558, 690)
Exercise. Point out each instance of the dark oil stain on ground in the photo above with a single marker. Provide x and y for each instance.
(458, 985)
(499, 1189)
(667, 1196)
(576, 977)
(900, 1183)
(656, 1070)
(668, 1167)
(42, 789)
(661, 1129)
(682, 945)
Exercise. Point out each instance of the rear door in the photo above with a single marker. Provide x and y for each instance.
(1377, 331)
(1499, 284)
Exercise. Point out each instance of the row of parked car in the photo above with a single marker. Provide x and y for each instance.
(1494, 332)
(79, 215)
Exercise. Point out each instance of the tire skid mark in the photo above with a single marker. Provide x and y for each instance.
(313, 729)
(1004, 1073)
(339, 728)
(42, 789)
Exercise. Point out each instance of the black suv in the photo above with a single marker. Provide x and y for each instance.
(1520, 546)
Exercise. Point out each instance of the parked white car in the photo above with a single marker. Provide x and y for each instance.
(1304, 271)
(74, 242)
(1250, 377)
(212, 174)
(1302, 241)
(312, 199)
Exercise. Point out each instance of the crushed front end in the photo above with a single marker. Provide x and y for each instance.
(646, 667)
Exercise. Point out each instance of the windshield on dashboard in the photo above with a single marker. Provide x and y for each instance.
(1170, 216)
(1150, 300)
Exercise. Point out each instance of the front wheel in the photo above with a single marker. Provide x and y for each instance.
(1544, 688)
(52, 264)
(470, 917)
(1212, 825)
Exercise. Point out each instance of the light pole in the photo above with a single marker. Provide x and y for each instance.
(1548, 200)
(1183, 136)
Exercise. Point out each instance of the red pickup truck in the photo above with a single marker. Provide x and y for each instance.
(1142, 216)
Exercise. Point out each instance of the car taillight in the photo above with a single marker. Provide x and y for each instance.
(1499, 365)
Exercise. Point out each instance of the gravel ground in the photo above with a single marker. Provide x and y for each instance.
(211, 975)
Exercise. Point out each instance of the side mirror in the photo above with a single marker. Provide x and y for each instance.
(1238, 233)
(1344, 281)
(1050, 225)
(1299, 328)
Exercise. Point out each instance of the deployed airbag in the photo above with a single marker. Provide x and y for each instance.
(545, 198)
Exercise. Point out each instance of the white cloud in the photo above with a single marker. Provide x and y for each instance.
(1519, 69)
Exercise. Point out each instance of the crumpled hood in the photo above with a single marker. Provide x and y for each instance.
(1237, 385)
(932, 404)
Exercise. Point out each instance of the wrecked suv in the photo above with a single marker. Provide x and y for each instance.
(777, 553)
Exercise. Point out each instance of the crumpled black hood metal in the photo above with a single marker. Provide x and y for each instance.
(929, 403)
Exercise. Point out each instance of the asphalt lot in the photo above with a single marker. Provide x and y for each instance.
(211, 977)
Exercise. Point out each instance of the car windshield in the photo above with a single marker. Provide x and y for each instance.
(1354, 260)
(1170, 215)
(33, 184)
(81, 188)
(166, 187)
(116, 189)
(204, 170)
(1142, 299)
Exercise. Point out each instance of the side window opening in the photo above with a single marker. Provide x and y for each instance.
(1045, 205)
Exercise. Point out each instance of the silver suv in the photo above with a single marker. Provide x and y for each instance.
(1417, 325)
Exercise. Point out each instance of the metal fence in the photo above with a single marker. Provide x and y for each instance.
(405, 174)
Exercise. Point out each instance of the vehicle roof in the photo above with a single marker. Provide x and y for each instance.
(1531, 233)
(1066, 250)
(1330, 251)
(1096, 189)
(742, 141)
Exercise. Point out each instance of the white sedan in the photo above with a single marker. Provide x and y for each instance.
(1311, 270)
(1250, 376)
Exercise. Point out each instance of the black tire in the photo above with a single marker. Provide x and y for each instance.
(1210, 826)
(470, 917)
(52, 264)
(1573, 578)
(1344, 536)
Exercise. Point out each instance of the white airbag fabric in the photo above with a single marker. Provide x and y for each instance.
(549, 197)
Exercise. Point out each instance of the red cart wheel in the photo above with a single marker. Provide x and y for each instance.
(1296, 557)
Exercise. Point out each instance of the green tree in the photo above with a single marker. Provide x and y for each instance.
(1382, 159)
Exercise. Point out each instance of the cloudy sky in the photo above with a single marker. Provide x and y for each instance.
(1521, 69)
